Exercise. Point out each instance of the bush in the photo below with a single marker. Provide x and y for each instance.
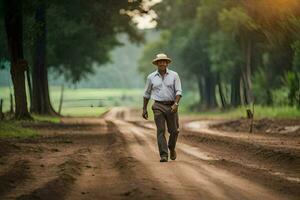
(292, 81)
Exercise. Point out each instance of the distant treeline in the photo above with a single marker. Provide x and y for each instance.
(121, 72)
(236, 52)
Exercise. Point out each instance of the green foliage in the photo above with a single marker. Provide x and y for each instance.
(86, 33)
(280, 96)
(253, 42)
(171, 12)
(261, 87)
(292, 81)
(80, 34)
(296, 59)
(233, 20)
(15, 129)
(43, 118)
(224, 55)
(150, 50)
(195, 52)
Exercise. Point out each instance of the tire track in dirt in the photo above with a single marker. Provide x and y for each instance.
(55, 160)
(59, 186)
(258, 150)
(146, 154)
(188, 181)
(283, 163)
(113, 173)
(271, 141)
(15, 176)
(110, 158)
(280, 162)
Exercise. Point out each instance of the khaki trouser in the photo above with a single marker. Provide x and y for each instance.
(163, 116)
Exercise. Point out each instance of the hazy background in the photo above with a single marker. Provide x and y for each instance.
(229, 54)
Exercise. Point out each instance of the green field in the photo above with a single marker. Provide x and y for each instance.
(86, 102)
(94, 102)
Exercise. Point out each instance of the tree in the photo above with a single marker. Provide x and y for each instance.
(195, 52)
(40, 92)
(14, 30)
(70, 38)
(237, 22)
(226, 60)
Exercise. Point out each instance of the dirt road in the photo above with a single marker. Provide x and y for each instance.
(116, 157)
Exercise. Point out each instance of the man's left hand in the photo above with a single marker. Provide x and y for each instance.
(174, 108)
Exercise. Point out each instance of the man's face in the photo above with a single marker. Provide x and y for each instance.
(162, 64)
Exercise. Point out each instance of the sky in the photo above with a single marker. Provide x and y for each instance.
(145, 21)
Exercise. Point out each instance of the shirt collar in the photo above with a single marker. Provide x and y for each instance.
(157, 73)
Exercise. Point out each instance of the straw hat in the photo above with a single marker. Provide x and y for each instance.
(161, 56)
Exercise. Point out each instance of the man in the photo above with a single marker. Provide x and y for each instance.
(164, 87)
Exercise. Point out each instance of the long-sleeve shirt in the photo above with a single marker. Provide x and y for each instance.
(163, 88)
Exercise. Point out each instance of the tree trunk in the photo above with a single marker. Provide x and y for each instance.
(1, 109)
(14, 28)
(201, 91)
(221, 93)
(249, 63)
(40, 89)
(210, 92)
(207, 91)
(29, 86)
(11, 100)
(61, 99)
(247, 71)
(235, 91)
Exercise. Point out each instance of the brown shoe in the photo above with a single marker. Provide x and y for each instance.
(164, 159)
(173, 154)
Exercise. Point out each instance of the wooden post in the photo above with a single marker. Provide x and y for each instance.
(250, 115)
(61, 99)
(1, 110)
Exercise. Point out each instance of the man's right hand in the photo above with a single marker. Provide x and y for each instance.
(145, 114)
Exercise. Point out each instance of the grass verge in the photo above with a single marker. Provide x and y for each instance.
(13, 129)
(280, 112)
(84, 111)
(42, 118)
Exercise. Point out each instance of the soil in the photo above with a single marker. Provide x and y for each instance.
(287, 127)
(115, 157)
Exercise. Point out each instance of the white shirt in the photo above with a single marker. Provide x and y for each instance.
(163, 88)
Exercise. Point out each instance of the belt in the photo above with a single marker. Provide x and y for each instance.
(165, 102)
